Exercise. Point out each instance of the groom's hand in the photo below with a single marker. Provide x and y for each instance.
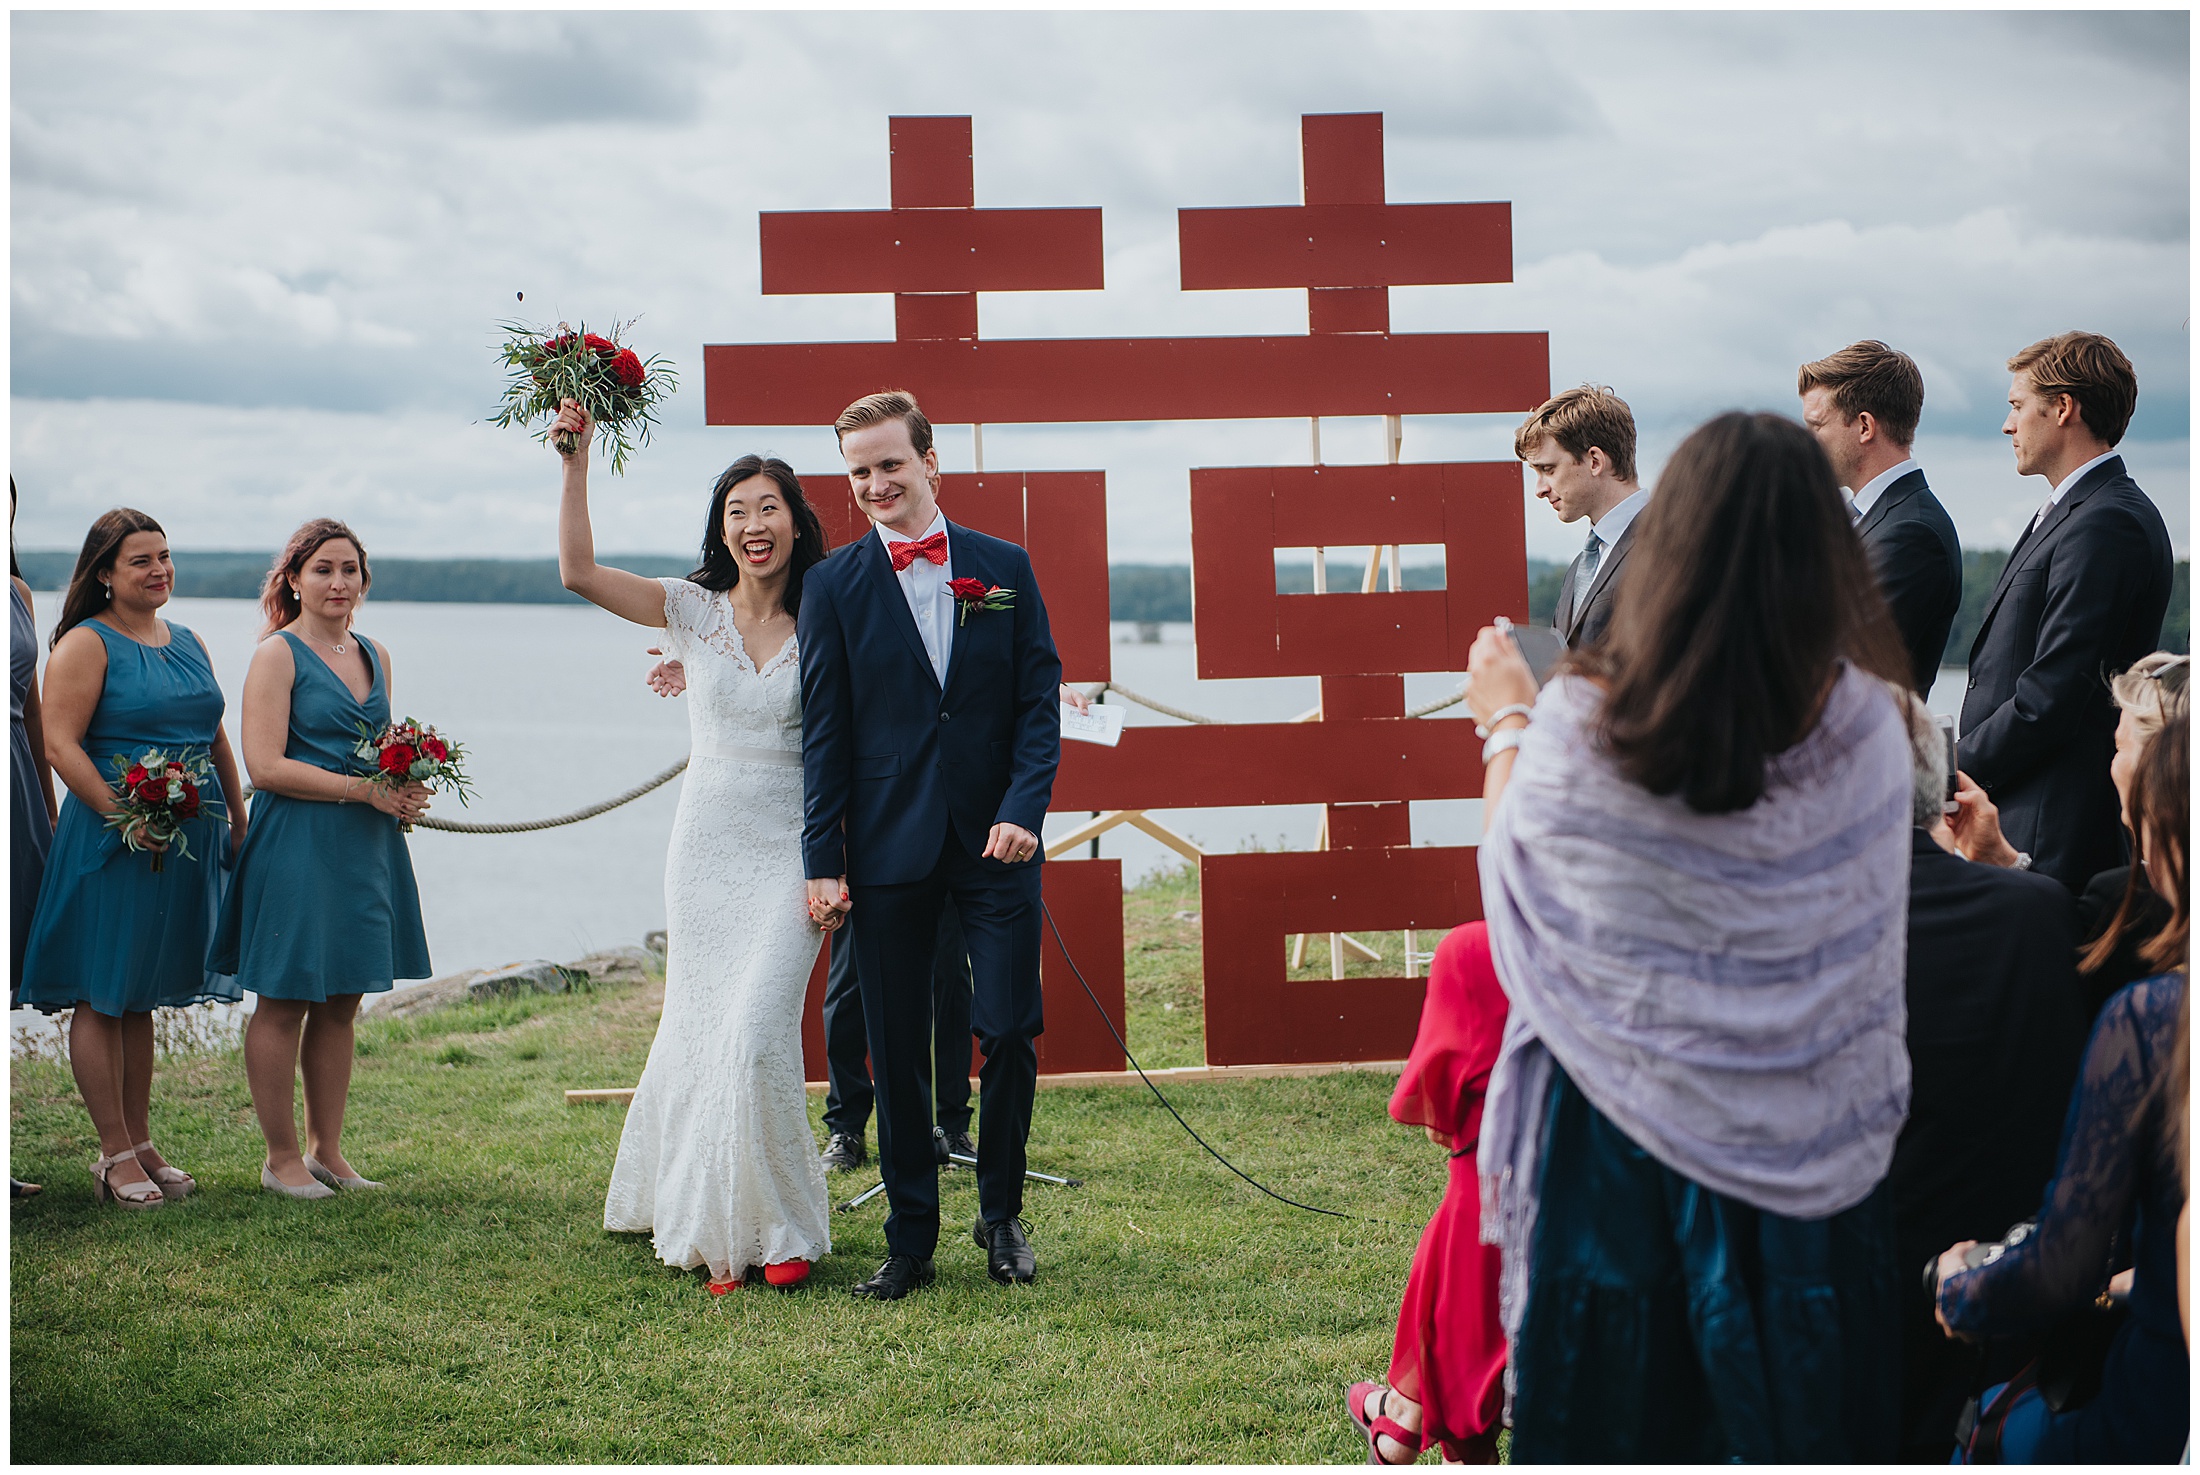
(1009, 843)
(829, 902)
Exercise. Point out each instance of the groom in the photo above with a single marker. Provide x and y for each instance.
(930, 735)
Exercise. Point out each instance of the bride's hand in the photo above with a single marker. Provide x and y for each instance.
(667, 678)
(574, 421)
(829, 902)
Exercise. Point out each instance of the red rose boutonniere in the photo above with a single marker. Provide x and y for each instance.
(977, 594)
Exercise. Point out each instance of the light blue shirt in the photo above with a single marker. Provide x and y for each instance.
(924, 585)
(1863, 500)
(1613, 523)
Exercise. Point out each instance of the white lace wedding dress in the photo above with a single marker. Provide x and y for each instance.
(717, 1158)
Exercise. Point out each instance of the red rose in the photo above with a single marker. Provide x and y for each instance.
(967, 589)
(188, 806)
(555, 346)
(134, 777)
(629, 369)
(435, 748)
(152, 790)
(398, 758)
(601, 344)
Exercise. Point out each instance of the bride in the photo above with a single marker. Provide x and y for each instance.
(716, 1160)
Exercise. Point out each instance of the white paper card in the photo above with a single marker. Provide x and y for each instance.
(1103, 725)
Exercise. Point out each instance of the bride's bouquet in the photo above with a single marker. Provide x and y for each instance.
(616, 386)
(155, 795)
(408, 753)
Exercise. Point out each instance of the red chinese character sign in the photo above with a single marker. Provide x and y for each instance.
(1364, 760)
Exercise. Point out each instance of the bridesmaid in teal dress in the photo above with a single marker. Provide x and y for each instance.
(324, 907)
(113, 939)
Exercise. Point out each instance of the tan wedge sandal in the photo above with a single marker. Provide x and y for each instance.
(174, 1182)
(144, 1194)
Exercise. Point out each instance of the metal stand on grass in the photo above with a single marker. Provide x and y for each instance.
(964, 1160)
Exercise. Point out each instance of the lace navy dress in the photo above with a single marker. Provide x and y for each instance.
(2110, 1176)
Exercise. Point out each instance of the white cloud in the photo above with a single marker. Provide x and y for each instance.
(258, 258)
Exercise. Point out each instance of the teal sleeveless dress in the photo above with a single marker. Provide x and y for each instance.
(112, 934)
(324, 901)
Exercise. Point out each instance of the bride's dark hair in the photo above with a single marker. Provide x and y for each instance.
(720, 570)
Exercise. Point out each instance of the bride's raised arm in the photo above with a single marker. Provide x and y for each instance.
(629, 596)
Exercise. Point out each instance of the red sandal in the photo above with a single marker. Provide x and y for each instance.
(787, 1274)
(1382, 1425)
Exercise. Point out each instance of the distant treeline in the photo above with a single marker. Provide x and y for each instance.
(1136, 591)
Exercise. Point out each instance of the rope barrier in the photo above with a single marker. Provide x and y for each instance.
(521, 827)
(462, 827)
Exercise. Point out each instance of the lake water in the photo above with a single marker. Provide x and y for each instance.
(550, 703)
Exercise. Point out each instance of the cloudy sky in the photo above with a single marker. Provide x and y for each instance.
(259, 259)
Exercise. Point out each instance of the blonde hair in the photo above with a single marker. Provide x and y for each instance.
(2143, 691)
(887, 404)
(1581, 418)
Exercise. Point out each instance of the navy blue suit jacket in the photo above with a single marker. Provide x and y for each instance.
(1913, 549)
(2082, 598)
(889, 753)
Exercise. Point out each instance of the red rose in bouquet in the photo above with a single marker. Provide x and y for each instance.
(155, 795)
(618, 388)
(408, 753)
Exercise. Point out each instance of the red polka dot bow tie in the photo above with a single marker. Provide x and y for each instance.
(932, 549)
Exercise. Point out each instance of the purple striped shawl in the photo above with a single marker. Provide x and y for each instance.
(1726, 988)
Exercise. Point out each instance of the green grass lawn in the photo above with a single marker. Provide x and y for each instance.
(477, 1311)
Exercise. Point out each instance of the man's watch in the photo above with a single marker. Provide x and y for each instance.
(2023, 862)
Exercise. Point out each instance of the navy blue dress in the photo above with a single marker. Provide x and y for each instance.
(324, 901)
(2110, 1175)
(111, 933)
(30, 827)
(1666, 1322)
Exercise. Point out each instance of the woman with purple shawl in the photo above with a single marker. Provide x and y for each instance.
(1694, 869)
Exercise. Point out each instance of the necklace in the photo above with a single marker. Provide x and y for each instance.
(317, 640)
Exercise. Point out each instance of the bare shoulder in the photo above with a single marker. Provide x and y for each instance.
(81, 647)
(381, 655)
(274, 657)
(24, 589)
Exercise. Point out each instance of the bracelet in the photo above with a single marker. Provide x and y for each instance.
(1502, 742)
(1517, 709)
(2023, 862)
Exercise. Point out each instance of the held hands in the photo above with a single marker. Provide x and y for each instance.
(1497, 675)
(574, 421)
(829, 902)
(1010, 844)
(405, 802)
(1976, 826)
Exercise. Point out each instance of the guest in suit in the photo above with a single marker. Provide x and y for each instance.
(944, 1075)
(1995, 1025)
(324, 908)
(1862, 403)
(931, 729)
(1581, 447)
(113, 938)
(2083, 594)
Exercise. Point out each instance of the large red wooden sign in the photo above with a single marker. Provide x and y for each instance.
(1346, 245)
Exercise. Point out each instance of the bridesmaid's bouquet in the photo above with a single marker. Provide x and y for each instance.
(155, 795)
(408, 753)
(616, 386)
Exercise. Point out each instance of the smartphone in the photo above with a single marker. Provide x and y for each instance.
(1947, 726)
(1539, 645)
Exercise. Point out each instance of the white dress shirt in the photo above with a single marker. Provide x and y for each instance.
(924, 585)
(1612, 524)
(2065, 485)
(1861, 502)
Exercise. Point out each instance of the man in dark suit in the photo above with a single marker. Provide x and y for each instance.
(2082, 597)
(1581, 447)
(1996, 1027)
(1863, 404)
(930, 736)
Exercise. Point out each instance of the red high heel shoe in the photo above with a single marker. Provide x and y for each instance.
(787, 1274)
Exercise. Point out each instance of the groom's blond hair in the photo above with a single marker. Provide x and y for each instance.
(877, 409)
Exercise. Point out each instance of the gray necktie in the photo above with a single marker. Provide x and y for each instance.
(1591, 554)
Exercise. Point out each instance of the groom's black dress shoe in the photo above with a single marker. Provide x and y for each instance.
(843, 1153)
(1008, 1257)
(900, 1275)
(945, 1143)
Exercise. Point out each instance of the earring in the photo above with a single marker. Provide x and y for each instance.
(107, 591)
